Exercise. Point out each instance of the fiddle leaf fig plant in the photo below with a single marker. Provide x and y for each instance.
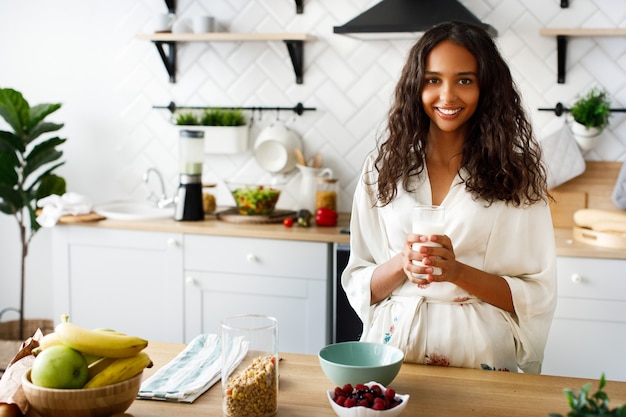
(27, 163)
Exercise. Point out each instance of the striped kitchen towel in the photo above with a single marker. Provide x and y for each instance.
(192, 372)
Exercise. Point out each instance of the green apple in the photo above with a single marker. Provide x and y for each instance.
(59, 367)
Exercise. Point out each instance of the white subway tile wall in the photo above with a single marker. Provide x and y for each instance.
(86, 55)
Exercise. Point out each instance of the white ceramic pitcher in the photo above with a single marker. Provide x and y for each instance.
(308, 185)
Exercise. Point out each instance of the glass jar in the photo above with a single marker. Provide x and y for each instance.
(326, 193)
(250, 366)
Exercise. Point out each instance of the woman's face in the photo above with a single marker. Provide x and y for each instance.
(450, 93)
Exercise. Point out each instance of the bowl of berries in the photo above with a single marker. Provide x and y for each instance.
(367, 400)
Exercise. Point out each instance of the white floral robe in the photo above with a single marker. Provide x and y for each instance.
(441, 324)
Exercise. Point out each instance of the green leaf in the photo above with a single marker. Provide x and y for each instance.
(50, 184)
(12, 143)
(42, 128)
(11, 200)
(9, 163)
(40, 112)
(44, 153)
(34, 224)
(35, 184)
(14, 109)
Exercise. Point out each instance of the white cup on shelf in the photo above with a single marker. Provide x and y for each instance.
(203, 24)
(163, 22)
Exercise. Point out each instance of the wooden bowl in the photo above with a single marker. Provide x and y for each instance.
(89, 402)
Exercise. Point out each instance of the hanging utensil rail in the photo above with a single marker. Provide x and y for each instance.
(559, 109)
(298, 108)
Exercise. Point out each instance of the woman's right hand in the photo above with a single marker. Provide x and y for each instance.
(409, 255)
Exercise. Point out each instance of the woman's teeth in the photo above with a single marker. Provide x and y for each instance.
(448, 111)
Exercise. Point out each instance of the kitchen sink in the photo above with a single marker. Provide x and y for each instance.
(133, 210)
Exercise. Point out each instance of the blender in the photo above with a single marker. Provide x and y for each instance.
(189, 195)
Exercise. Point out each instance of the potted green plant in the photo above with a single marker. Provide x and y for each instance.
(582, 405)
(591, 115)
(27, 162)
(225, 130)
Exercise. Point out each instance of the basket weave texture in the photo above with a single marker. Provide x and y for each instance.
(10, 330)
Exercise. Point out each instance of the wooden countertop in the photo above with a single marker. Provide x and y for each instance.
(566, 245)
(435, 391)
(592, 189)
(211, 226)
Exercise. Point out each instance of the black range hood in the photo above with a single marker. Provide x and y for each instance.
(405, 18)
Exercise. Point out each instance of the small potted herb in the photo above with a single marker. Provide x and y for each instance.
(581, 405)
(225, 130)
(591, 115)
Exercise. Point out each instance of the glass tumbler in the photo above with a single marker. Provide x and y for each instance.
(249, 366)
(428, 220)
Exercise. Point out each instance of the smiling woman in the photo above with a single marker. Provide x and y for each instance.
(457, 137)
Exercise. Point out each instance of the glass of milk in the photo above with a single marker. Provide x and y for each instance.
(427, 220)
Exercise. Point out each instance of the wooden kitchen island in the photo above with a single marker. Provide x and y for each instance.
(435, 391)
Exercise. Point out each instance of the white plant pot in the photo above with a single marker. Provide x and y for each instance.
(586, 137)
(223, 139)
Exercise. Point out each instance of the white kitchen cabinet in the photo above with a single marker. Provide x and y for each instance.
(127, 280)
(588, 333)
(288, 280)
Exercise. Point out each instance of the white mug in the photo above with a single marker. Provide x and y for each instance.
(163, 22)
(203, 24)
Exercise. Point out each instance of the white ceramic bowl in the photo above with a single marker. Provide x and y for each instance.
(359, 362)
(368, 412)
(275, 148)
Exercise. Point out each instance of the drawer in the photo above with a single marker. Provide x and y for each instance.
(591, 310)
(599, 279)
(278, 258)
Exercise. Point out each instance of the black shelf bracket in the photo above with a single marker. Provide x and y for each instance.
(171, 5)
(561, 56)
(296, 53)
(299, 6)
(169, 59)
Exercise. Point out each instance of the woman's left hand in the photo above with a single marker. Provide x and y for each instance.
(439, 257)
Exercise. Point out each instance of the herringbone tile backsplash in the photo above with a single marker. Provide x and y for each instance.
(109, 81)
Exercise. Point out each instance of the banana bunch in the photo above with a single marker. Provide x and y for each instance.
(112, 356)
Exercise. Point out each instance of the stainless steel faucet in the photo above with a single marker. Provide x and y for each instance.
(161, 201)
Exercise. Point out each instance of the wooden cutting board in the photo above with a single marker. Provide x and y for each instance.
(232, 216)
(565, 205)
(80, 218)
(607, 240)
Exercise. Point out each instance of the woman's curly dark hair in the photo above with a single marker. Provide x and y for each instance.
(501, 158)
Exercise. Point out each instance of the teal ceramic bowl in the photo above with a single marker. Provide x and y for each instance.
(360, 362)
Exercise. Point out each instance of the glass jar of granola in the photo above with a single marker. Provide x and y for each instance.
(250, 366)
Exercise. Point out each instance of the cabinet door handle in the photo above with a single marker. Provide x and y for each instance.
(191, 281)
(251, 257)
(172, 243)
(577, 278)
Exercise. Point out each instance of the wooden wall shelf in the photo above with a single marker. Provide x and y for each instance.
(293, 41)
(562, 35)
